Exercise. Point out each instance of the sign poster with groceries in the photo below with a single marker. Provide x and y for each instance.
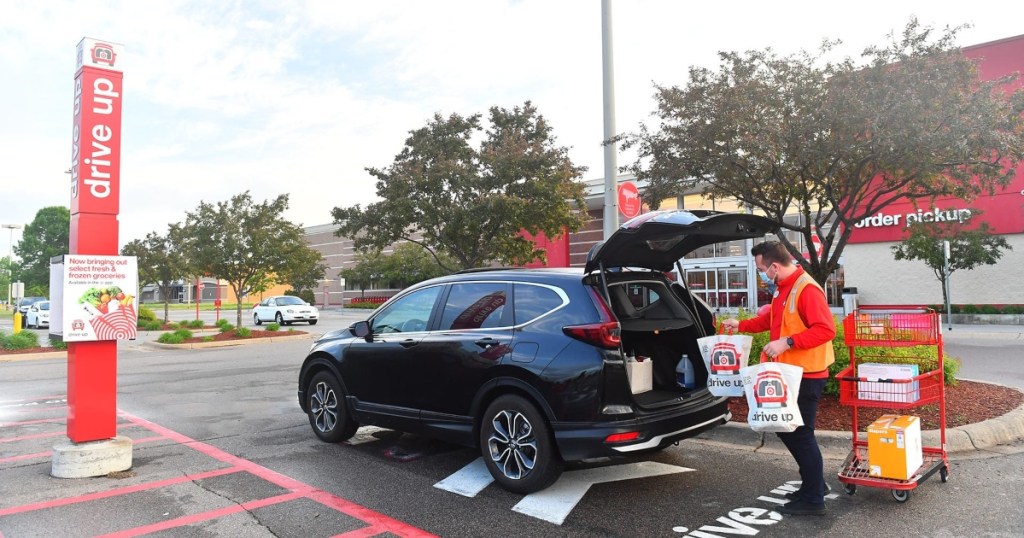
(99, 298)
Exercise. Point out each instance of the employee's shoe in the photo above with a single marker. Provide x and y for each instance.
(802, 508)
(793, 495)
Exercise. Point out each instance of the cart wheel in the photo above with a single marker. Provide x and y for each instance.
(901, 495)
(944, 474)
(850, 489)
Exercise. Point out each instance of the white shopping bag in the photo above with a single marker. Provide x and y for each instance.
(772, 389)
(724, 356)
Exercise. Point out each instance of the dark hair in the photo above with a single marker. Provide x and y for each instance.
(772, 252)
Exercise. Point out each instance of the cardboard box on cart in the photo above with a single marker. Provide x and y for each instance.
(894, 447)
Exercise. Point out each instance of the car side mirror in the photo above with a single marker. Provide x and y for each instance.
(360, 329)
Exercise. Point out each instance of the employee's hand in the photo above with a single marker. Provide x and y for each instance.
(776, 348)
(730, 325)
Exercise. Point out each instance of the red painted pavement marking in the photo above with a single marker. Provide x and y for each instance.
(27, 422)
(195, 518)
(115, 492)
(50, 452)
(33, 436)
(378, 521)
(50, 434)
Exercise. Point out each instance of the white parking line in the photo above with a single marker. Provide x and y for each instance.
(365, 435)
(469, 480)
(554, 503)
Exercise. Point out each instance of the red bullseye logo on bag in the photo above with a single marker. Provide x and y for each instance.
(725, 359)
(770, 390)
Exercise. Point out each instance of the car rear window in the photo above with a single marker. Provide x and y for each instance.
(475, 305)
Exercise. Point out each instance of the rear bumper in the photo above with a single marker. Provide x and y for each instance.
(585, 441)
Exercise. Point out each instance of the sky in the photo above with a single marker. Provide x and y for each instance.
(300, 97)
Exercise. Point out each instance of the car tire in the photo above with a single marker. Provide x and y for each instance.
(278, 319)
(328, 412)
(517, 446)
(256, 319)
(312, 322)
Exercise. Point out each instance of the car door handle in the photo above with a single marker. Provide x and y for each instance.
(409, 342)
(487, 342)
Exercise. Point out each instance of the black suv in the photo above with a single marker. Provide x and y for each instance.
(530, 365)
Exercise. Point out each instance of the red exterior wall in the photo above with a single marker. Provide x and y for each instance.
(1005, 210)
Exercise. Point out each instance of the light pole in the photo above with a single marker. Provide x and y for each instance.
(10, 262)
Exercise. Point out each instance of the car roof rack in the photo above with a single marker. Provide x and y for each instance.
(484, 269)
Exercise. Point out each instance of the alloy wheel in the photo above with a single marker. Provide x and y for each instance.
(324, 406)
(512, 444)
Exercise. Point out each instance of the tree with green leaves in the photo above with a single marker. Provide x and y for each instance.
(471, 204)
(247, 244)
(160, 262)
(408, 264)
(835, 142)
(45, 237)
(967, 248)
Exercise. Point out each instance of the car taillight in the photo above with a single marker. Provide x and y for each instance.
(605, 333)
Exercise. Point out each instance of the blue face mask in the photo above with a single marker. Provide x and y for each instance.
(764, 278)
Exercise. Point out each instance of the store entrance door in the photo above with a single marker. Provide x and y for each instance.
(720, 287)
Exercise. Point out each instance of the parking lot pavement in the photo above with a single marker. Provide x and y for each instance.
(176, 484)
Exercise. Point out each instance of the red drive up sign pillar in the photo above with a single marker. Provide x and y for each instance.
(95, 193)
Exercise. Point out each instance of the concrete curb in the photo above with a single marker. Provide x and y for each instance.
(981, 436)
(33, 356)
(232, 343)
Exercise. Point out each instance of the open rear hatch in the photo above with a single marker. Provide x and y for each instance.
(659, 319)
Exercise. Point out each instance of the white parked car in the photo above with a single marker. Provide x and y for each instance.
(284, 310)
(38, 315)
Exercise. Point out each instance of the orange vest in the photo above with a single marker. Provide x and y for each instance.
(815, 359)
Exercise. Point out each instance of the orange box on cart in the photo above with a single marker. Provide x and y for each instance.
(894, 447)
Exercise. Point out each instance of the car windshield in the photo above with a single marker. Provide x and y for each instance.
(287, 301)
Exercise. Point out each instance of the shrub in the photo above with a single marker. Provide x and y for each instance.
(175, 337)
(208, 338)
(989, 309)
(222, 322)
(146, 313)
(150, 325)
(22, 340)
(362, 305)
(226, 327)
(243, 332)
(273, 327)
(196, 324)
(969, 309)
(954, 309)
(59, 345)
(1013, 309)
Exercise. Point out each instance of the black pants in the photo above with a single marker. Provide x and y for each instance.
(803, 445)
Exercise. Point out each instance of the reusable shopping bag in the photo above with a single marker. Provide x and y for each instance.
(772, 389)
(724, 356)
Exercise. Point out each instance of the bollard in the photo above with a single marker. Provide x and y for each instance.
(17, 322)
